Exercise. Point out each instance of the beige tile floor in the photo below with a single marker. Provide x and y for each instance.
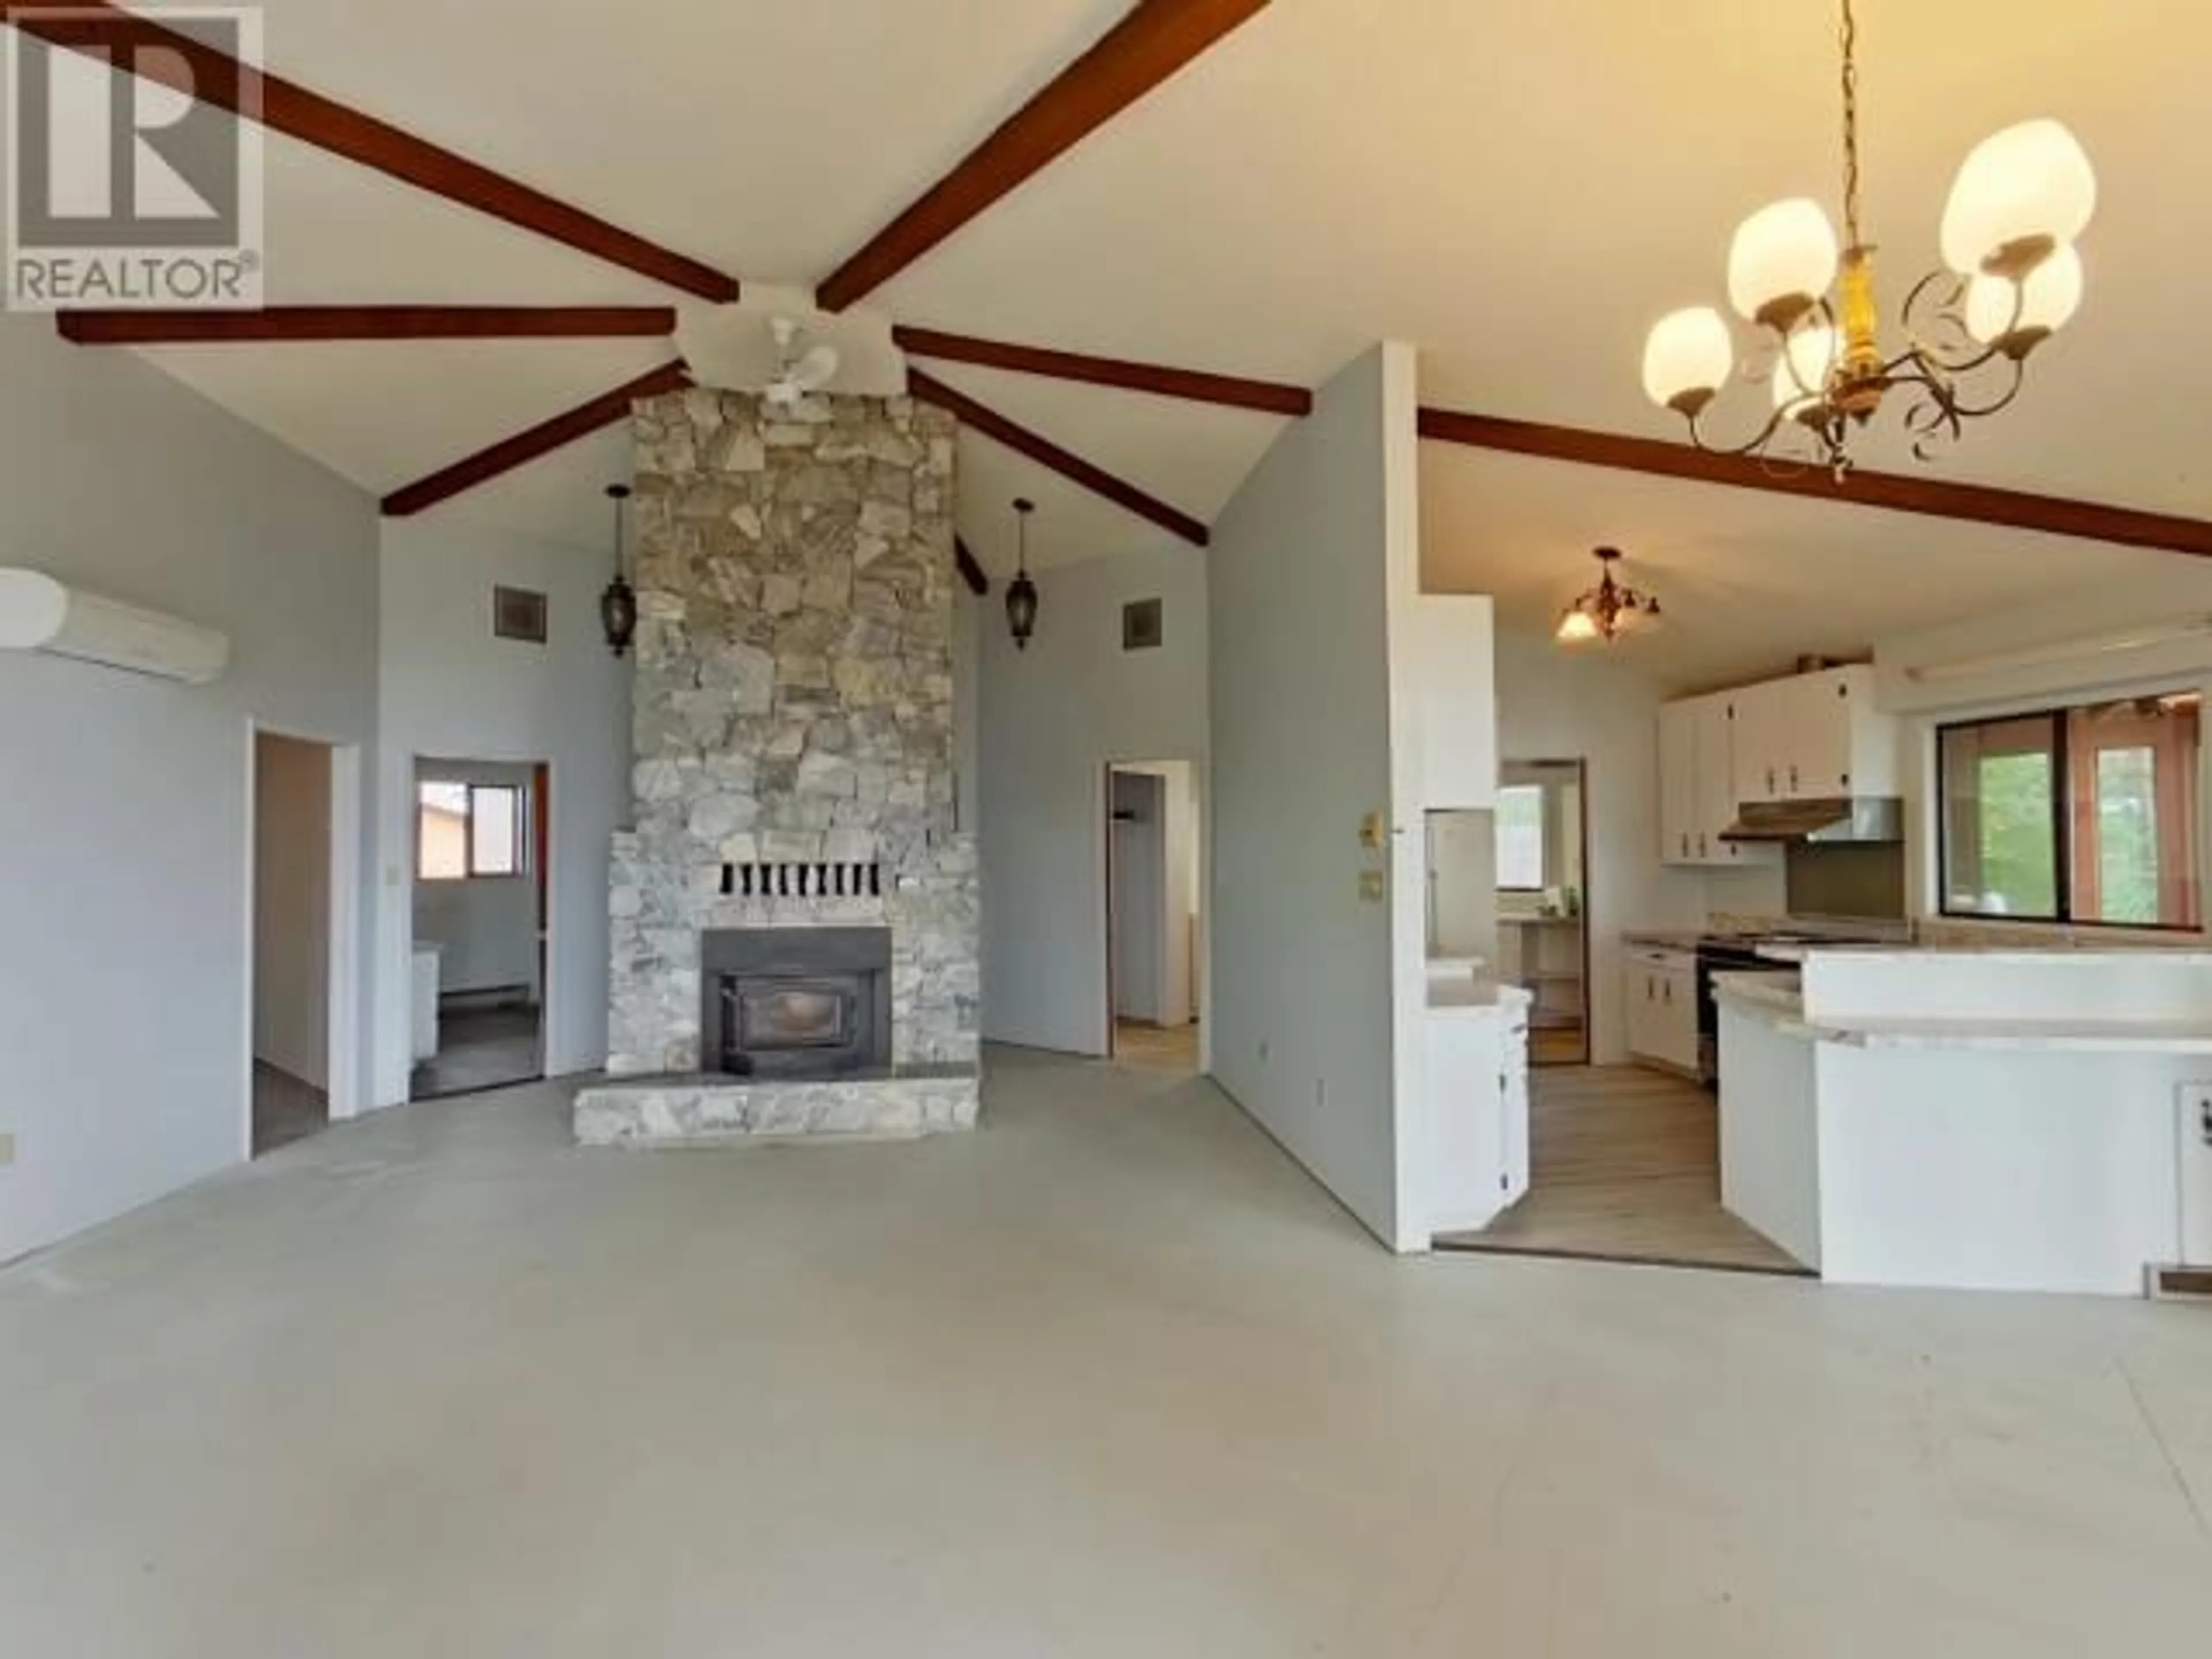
(1108, 1378)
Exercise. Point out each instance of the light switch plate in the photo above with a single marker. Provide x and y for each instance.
(6, 1149)
(1371, 886)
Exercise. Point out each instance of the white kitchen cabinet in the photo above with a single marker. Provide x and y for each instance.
(1478, 1090)
(1813, 737)
(1697, 787)
(1444, 647)
(1681, 811)
(1661, 993)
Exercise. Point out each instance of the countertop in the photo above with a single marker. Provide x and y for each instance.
(1458, 996)
(1665, 938)
(1775, 998)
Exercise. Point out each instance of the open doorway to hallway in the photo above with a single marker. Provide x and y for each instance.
(481, 857)
(1154, 924)
(1543, 902)
(303, 831)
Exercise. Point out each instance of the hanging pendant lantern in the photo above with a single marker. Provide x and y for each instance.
(1022, 592)
(618, 603)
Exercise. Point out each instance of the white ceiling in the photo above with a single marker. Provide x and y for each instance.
(1517, 188)
(1747, 582)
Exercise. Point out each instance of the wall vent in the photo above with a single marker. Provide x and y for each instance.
(787, 880)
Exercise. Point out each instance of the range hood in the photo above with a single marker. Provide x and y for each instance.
(1837, 821)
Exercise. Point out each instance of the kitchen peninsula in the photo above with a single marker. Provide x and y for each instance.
(1987, 1120)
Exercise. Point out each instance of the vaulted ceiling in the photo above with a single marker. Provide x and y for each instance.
(1517, 188)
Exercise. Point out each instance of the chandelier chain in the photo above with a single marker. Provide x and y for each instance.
(1851, 82)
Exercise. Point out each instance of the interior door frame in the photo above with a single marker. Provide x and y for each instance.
(1201, 970)
(1582, 768)
(343, 1055)
(546, 949)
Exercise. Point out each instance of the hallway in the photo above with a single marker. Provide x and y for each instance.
(1110, 1376)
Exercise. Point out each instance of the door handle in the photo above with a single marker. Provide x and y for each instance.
(1770, 781)
(1702, 843)
(1792, 778)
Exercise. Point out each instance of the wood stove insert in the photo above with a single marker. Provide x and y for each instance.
(795, 1002)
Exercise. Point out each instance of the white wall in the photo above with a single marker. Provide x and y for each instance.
(970, 616)
(1302, 968)
(1554, 704)
(451, 689)
(1051, 720)
(488, 926)
(291, 906)
(125, 957)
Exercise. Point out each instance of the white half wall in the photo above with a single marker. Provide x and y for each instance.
(1052, 719)
(291, 906)
(1301, 964)
(451, 689)
(126, 953)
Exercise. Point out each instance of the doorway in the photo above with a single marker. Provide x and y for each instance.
(482, 852)
(1543, 902)
(1154, 921)
(304, 853)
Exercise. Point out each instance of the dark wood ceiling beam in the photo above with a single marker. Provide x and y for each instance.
(528, 446)
(285, 323)
(101, 29)
(1190, 384)
(970, 572)
(1930, 497)
(1147, 46)
(979, 418)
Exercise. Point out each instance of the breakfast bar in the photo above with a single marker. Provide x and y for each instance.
(1987, 1119)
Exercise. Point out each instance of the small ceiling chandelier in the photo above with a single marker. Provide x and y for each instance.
(618, 603)
(1022, 592)
(1607, 611)
(2021, 199)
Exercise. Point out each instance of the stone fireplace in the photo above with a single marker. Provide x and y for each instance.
(795, 913)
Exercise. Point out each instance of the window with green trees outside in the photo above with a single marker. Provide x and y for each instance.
(2084, 815)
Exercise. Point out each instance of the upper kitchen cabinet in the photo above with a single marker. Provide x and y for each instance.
(1813, 737)
(1443, 660)
(1697, 787)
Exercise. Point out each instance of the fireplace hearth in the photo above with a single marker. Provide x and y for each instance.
(795, 1003)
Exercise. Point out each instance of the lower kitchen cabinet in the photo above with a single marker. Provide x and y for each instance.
(1662, 998)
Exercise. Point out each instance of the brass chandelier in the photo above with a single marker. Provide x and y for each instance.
(2021, 198)
(1609, 610)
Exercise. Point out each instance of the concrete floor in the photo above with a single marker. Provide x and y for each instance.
(480, 1048)
(1109, 1377)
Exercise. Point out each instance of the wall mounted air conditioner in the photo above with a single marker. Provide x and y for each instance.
(38, 613)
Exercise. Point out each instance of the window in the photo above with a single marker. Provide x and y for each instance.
(466, 831)
(2081, 815)
(1521, 838)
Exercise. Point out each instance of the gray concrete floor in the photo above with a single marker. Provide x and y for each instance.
(1109, 1377)
(481, 1048)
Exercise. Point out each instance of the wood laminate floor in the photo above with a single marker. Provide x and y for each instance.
(1172, 1049)
(1625, 1165)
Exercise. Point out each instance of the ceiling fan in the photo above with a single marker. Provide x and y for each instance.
(797, 373)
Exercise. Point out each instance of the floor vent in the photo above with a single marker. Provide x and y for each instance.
(2181, 1284)
(802, 881)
